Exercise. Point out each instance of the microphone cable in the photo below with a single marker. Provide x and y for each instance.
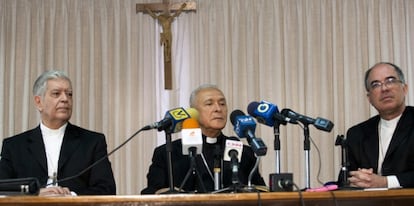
(259, 198)
(319, 171)
(302, 201)
(289, 183)
(148, 127)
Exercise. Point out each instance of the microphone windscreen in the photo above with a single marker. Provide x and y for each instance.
(190, 123)
(323, 124)
(266, 113)
(286, 112)
(251, 108)
(234, 115)
(192, 112)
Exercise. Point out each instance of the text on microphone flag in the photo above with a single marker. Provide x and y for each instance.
(234, 144)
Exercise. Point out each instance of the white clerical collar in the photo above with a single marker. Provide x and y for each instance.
(211, 140)
(47, 131)
(392, 123)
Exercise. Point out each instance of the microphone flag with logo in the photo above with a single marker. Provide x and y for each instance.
(267, 113)
(173, 119)
(191, 136)
(233, 148)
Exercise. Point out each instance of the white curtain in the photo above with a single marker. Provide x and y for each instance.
(306, 55)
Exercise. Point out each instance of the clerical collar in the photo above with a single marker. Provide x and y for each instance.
(48, 131)
(390, 123)
(211, 140)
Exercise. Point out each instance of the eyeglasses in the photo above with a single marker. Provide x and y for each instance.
(389, 83)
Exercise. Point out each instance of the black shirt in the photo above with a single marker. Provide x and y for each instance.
(157, 176)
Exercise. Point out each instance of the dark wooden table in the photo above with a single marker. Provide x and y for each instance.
(342, 198)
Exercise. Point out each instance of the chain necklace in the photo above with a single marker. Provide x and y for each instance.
(52, 168)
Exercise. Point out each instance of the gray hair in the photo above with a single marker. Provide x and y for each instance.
(198, 89)
(39, 87)
(396, 68)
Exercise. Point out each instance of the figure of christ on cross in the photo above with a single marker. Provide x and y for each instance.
(165, 19)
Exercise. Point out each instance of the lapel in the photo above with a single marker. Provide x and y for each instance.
(401, 133)
(371, 142)
(36, 147)
(71, 141)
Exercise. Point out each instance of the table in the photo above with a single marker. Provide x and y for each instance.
(342, 198)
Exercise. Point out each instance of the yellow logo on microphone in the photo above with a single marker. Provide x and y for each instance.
(179, 114)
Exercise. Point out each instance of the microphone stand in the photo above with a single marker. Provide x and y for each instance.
(306, 148)
(192, 152)
(235, 171)
(217, 165)
(168, 146)
(340, 140)
(236, 185)
(276, 145)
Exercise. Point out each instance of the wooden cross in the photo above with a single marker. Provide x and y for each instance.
(166, 19)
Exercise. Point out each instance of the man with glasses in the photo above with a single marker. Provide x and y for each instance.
(381, 149)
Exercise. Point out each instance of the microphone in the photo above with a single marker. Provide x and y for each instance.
(173, 120)
(319, 123)
(267, 113)
(244, 126)
(191, 137)
(233, 152)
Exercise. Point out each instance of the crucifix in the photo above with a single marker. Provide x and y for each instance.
(165, 18)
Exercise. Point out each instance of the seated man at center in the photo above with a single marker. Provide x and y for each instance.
(212, 107)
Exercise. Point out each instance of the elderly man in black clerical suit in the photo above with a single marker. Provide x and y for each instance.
(212, 107)
(56, 149)
(381, 149)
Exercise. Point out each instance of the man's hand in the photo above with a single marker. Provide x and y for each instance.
(365, 178)
(55, 191)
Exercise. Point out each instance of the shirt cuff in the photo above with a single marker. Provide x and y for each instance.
(392, 182)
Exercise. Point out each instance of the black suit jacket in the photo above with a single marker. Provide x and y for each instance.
(158, 172)
(362, 144)
(24, 155)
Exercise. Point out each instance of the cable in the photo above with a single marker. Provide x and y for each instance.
(318, 176)
(319, 171)
(333, 197)
(302, 201)
(259, 199)
(102, 158)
